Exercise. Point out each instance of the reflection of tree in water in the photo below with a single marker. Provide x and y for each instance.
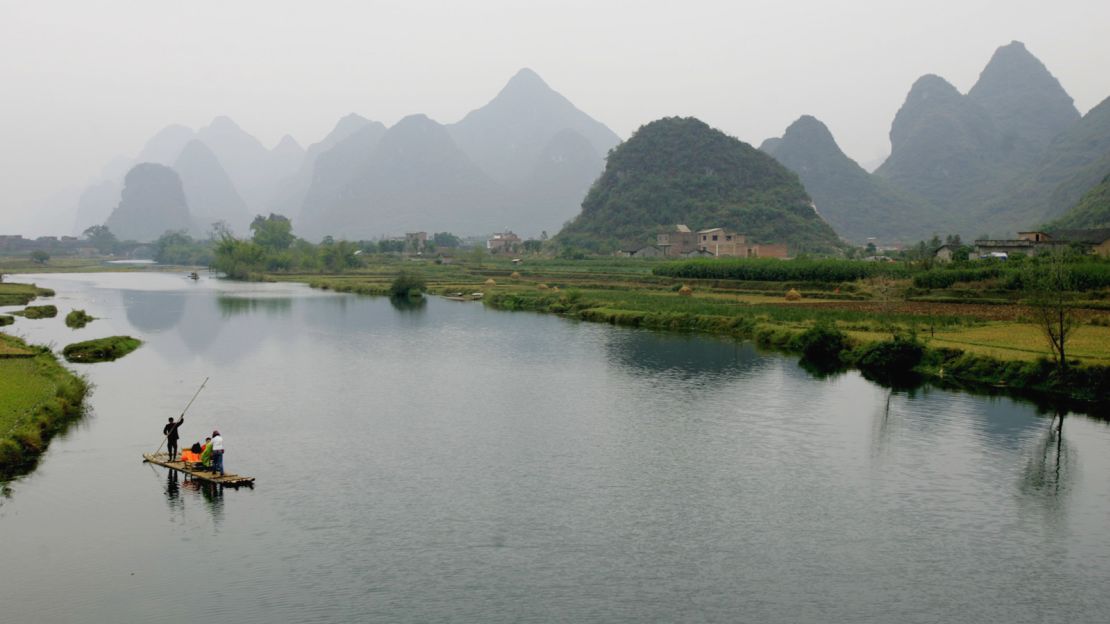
(273, 306)
(684, 356)
(409, 305)
(153, 311)
(1049, 468)
(884, 425)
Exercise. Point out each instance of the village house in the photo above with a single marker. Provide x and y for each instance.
(505, 241)
(415, 242)
(677, 241)
(1036, 242)
(647, 251)
(721, 242)
(944, 253)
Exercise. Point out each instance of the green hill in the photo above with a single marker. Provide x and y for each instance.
(1092, 211)
(680, 170)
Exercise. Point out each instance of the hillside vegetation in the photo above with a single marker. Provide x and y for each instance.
(680, 170)
(1092, 211)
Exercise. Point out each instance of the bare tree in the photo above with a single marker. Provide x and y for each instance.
(1050, 286)
(885, 292)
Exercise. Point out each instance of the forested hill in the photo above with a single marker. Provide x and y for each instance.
(1092, 211)
(680, 170)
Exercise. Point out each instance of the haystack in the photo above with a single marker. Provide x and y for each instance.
(793, 295)
(490, 282)
(685, 291)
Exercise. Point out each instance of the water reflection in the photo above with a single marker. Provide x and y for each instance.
(1048, 469)
(272, 306)
(172, 490)
(211, 493)
(153, 311)
(410, 305)
(681, 356)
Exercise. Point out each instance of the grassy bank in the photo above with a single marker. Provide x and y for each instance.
(949, 348)
(21, 294)
(38, 399)
(971, 334)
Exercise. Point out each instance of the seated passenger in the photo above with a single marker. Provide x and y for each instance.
(206, 453)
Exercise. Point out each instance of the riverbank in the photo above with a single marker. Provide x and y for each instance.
(908, 351)
(38, 399)
(974, 340)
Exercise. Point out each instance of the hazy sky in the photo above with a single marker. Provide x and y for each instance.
(83, 82)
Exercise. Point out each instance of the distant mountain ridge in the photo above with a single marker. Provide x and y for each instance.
(523, 161)
(209, 192)
(413, 177)
(986, 160)
(680, 170)
(857, 204)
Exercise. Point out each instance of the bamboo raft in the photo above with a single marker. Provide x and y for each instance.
(197, 472)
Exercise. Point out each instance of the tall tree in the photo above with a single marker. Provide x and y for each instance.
(274, 232)
(1050, 285)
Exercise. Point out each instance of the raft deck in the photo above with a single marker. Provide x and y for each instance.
(197, 472)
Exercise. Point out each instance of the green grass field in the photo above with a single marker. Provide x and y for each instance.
(38, 398)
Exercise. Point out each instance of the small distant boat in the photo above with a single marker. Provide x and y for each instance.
(194, 276)
(197, 471)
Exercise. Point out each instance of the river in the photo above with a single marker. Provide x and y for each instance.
(452, 463)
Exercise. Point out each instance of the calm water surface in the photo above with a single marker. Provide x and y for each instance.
(450, 463)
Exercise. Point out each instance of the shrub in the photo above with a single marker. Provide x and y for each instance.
(78, 319)
(890, 359)
(407, 284)
(823, 343)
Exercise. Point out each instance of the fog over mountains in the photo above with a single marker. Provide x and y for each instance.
(1012, 153)
(524, 160)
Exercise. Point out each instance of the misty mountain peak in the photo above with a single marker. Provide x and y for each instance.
(164, 147)
(812, 132)
(288, 144)
(1024, 100)
(507, 136)
(414, 126)
(223, 123)
(349, 124)
(525, 81)
(931, 86)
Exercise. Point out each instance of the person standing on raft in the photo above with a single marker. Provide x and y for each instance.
(170, 431)
(217, 453)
